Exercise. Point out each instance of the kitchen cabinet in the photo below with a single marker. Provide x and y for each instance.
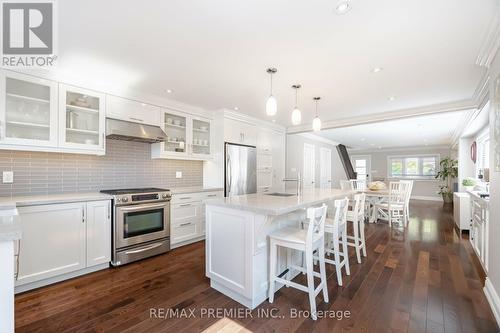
(133, 111)
(98, 232)
(240, 132)
(461, 210)
(81, 119)
(479, 229)
(60, 241)
(28, 112)
(270, 160)
(189, 137)
(53, 241)
(187, 217)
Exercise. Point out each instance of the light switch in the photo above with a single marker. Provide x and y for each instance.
(8, 177)
(178, 174)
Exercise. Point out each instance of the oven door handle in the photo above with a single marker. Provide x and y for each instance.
(154, 246)
(140, 207)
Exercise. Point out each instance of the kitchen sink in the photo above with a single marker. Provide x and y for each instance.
(277, 194)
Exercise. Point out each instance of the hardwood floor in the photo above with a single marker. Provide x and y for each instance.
(423, 279)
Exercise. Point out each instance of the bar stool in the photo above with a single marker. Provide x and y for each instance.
(306, 241)
(357, 217)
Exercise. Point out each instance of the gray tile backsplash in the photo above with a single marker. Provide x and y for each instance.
(126, 164)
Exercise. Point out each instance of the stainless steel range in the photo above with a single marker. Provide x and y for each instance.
(141, 223)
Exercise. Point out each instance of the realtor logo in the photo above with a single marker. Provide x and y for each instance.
(28, 33)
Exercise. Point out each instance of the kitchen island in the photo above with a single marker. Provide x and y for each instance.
(237, 255)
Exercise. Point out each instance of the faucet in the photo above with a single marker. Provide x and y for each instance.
(298, 180)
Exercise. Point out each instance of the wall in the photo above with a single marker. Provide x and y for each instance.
(126, 164)
(494, 225)
(295, 153)
(425, 189)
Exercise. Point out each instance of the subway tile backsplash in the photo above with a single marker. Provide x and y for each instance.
(126, 164)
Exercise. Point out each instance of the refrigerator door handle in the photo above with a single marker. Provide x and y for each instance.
(228, 173)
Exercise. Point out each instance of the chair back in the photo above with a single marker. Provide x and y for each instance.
(340, 216)
(316, 222)
(397, 193)
(358, 184)
(346, 185)
(409, 189)
(359, 206)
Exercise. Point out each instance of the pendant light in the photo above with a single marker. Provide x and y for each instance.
(271, 105)
(296, 114)
(316, 120)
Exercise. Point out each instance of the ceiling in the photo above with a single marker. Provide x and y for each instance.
(429, 130)
(214, 54)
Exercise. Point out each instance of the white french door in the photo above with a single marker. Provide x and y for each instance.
(309, 166)
(325, 165)
(362, 166)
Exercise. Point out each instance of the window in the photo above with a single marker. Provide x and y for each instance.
(483, 153)
(422, 166)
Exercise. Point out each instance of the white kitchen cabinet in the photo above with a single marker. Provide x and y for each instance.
(133, 111)
(81, 119)
(53, 241)
(28, 112)
(187, 217)
(270, 160)
(479, 232)
(462, 210)
(98, 219)
(240, 132)
(189, 137)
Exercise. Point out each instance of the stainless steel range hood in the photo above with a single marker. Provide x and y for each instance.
(129, 131)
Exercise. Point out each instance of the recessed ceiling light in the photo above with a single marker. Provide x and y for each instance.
(274, 120)
(342, 7)
(363, 139)
(377, 69)
(392, 98)
(169, 91)
(236, 108)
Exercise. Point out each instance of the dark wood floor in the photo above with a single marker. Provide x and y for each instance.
(423, 279)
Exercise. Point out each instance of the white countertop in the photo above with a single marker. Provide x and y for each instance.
(10, 228)
(32, 200)
(194, 189)
(263, 203)
(475, 194)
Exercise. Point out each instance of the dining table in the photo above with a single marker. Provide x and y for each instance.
(373, 197)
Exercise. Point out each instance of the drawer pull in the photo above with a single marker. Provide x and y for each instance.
(185, 224)
(212, 195)
(185, 205)
(185, 198)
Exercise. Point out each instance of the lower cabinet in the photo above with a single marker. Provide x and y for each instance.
(58, 239)
(187, 217)
(479, 235)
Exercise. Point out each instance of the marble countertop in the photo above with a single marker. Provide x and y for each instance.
(475, 194)
(32, 200)
(10, 228)
(263, 203)
(194, 189)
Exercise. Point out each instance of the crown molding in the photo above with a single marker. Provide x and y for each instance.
(463, 105)
(397, 149)
(252, 120)
(491, 43)
(481, 94)
(319, 138)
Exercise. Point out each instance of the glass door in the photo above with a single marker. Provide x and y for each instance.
(81, 118)
(176, 127)
(201, 137)
(30, 110)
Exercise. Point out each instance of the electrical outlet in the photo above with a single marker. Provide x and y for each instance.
(178, 174)
(8, 177)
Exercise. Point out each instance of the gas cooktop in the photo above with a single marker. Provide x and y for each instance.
(134, 190)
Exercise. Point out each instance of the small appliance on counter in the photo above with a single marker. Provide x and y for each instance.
(141, 224)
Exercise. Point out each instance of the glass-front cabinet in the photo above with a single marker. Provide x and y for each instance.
(28, 113)
(189, 137)
(81, 118)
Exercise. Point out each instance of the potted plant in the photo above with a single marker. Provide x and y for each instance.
(448, 171)
(469, 183)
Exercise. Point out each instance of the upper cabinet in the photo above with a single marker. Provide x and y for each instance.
(81, 119)
(133, 111)
(189, 137)
(240, 132)
(28, 112)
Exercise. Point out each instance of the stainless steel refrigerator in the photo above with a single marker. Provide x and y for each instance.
(240, 169)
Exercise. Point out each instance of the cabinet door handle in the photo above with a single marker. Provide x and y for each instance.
(103, 137)
(185, 205)
(212, 195)
(185, 224)
(136, 119)
(83, 215)
(109, 210)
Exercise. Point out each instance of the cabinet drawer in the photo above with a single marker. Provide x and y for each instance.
(188, 211)
(184, 231)
(212, 195)
(198, 196)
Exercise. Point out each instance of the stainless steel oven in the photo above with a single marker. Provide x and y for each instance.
(141, 224)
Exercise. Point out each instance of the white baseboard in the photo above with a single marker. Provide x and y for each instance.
(428, 198)
(493, 299)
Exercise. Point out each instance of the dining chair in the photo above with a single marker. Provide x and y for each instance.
(307, 241)
(346, 185)
(358, 184)
(409, 189)
(394, 209)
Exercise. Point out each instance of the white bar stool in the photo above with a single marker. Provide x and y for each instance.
(357, 217)
(306, 241)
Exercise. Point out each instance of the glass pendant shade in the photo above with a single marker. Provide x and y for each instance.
(316, 124)
(271, 106)
(296, 116)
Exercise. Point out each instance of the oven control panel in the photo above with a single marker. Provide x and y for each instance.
(130, 199)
